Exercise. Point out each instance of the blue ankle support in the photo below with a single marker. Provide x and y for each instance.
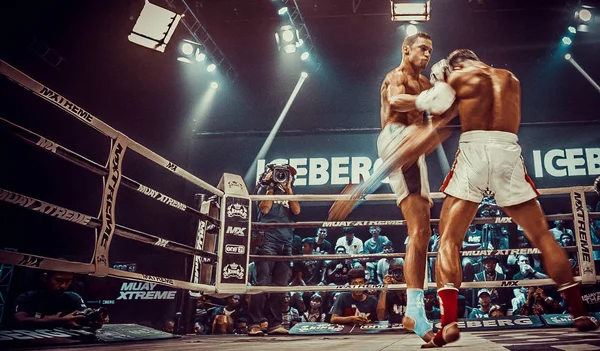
(415, 309)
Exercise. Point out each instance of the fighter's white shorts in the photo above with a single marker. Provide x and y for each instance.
(411, 181)
(489, 163)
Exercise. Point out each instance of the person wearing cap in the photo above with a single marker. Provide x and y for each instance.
(315, 311)
(354, 307)
(276, 241)
(496, 311)
(352, 244)
(485, 301)
(392, 303)
(490, 273)
(383, 265)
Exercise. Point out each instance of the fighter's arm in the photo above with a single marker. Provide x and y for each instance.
(395, 91)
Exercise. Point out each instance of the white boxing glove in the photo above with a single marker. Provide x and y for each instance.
(436, 100)
(439, 72)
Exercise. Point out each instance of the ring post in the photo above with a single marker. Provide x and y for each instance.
(107, 208)
(202, 272)
(581, 226)
(234, 236)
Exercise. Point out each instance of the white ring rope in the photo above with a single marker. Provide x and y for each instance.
(73, 157)
(390, 197)
(466, 253)
(53, 97)
(65, 214)
(53, 264)
(328, 224)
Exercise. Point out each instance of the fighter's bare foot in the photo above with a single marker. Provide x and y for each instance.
(586, 323)
(449, 333)
(410, 324)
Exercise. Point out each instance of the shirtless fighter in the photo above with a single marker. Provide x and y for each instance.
(489, 159)
(402, 106)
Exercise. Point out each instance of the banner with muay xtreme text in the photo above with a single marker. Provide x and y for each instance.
(555, 156)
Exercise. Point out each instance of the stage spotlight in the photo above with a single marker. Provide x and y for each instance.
(282, 11)
(411, 10)
(572, 29)
(214, 85)
(211, 67)
(154, 27)
(287, 39)
(566, 40)
(411, 29)
(200, 56)
(304, 75)
(187, 48)
(190, 52)
(585, 15)
(304, 56)
(290, 48)
(287, 35)
(567, 56)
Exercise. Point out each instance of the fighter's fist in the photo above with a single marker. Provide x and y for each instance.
(436, 100)
(439, 72)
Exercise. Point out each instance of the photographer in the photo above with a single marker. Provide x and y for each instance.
(538, 303)
(392, 303)
(53, 306)
(276, 180)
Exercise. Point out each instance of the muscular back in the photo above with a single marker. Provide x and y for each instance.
(397, 82)
(488, 98)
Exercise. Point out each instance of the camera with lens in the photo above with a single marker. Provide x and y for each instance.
(92, 316)
(280, 174)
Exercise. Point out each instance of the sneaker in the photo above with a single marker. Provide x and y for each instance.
(255, 331)
(279, 330)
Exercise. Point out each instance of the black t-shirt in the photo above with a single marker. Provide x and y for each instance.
(280, 213)
(395, 307)
(312, 271)
(340, 277)
(346, 306)
(42, 303)
(325, 246)
(473, 238)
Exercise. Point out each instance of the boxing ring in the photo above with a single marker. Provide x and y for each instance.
(230, 210)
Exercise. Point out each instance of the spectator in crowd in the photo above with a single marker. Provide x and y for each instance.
(336, 272)
(560, 229)
(485, 300)
(320, 244)
(349, 241)
(224, 319)
(434, 245)
(525, 272)
(392, 303)
(354, 307)
(277, 241)
(169, 326)
(383, 265)
(289, 315)
(202, 316)
(315, 312)
(496, 311)
(431, 311)
(54, 306)
(538, 303)
(566, 240)
(473, 241)
(594, 227)
(296, 245)
(374, 245)
(241, 326)
(491, 273)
